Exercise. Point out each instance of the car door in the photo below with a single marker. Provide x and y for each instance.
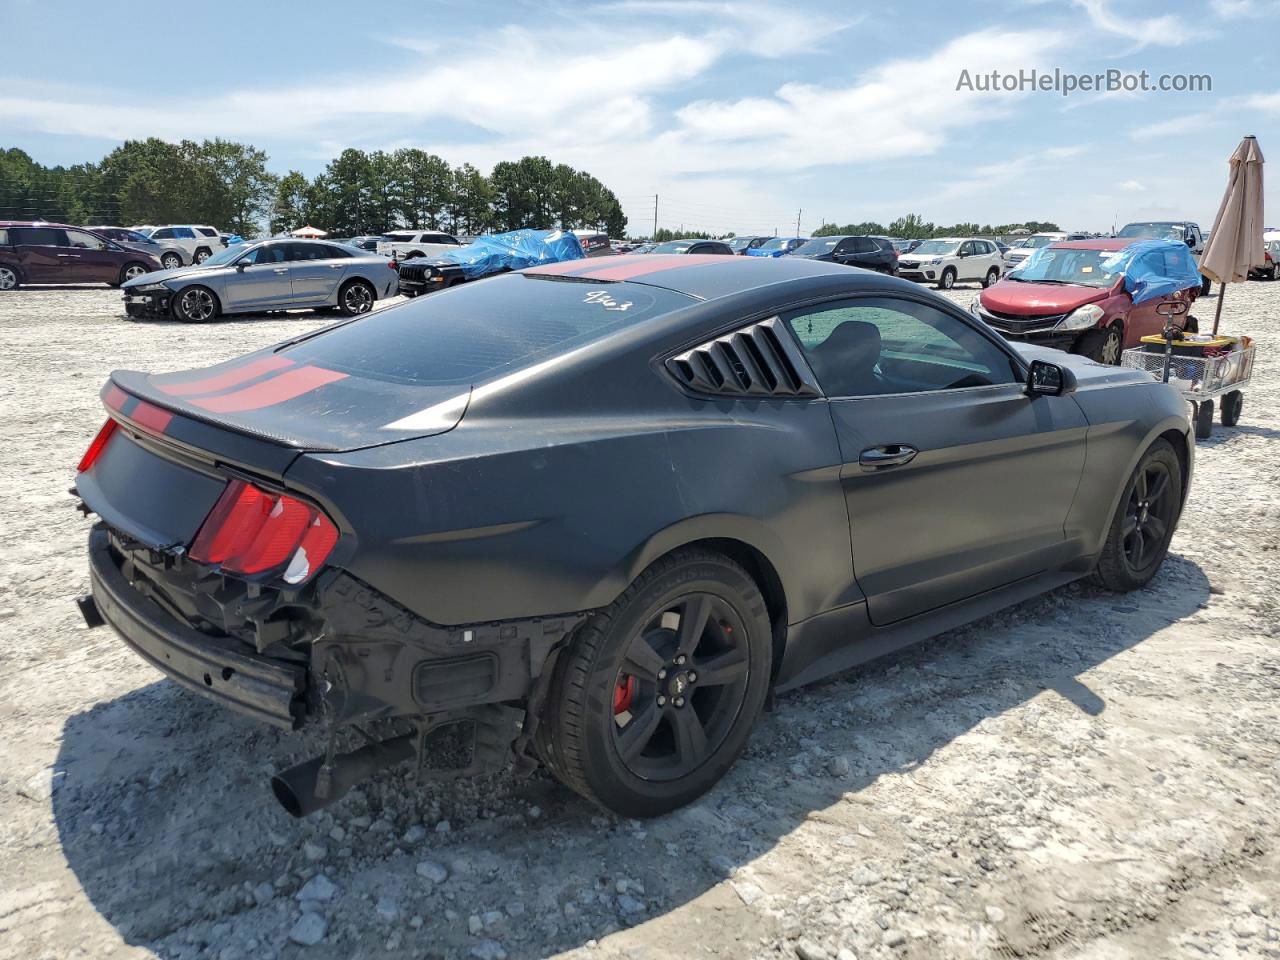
(957, 482)
(845, 252)
(315, 269)
(264, 281)
(96, 260)
(41, 253)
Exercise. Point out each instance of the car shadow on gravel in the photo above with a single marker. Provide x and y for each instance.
(165, 816)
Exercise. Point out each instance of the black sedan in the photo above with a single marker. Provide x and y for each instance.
(695, 247)
(593, 512)
(870, 253)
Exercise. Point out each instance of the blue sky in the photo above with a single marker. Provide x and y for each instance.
(738, 114)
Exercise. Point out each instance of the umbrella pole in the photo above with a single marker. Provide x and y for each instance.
(1217, 315)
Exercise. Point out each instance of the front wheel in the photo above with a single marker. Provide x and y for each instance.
(947, 280)
(655, 696)
(195, 305)
(1102, 346)
(1204, 419)
(202, 255)
(993, 275)
(356, 298)
(171, 261)
(8, 279)
(132, 271)
(1144, 522)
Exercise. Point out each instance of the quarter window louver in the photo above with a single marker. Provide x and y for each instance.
(756, 361)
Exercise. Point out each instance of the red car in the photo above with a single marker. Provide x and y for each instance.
(1072, 302)
(36, 252)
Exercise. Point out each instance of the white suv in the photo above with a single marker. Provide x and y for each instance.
(1015, 255)
(200, 242)
(951, 260)
(407, 244)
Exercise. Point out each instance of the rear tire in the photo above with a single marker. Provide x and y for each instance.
(356, 297)
(629, 723)
(1204, 420)
(9, 279)
(195, 305)
(1232, 404)
(1138, 539)
(948, 279)
(1102, 346)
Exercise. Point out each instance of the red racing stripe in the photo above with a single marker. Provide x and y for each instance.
(229, 378)
(278, 389)
(115, 398)
(645, 267)
(150, 417)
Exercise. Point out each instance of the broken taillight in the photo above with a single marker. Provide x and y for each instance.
(250, 530)
(98, 445)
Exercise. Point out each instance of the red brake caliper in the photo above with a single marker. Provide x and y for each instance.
(623, 694)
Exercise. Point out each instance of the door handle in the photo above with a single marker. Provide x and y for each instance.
(69, 256)
(280, 270)
(335, 266)
(889, 455)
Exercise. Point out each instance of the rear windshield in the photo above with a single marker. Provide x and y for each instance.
(484, 329)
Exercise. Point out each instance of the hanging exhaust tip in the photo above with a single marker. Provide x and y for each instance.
(302, 790)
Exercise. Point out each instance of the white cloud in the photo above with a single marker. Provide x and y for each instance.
(1186, 123)
(1132, 186)
(1262, 102)
(1166, 31)
(1244, 9)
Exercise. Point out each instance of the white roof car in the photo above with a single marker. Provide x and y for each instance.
(950, 260)
(199, 240)
(407, 244)
(1015, 255)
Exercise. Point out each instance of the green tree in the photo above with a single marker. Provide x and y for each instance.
(289, 211)
(473, 198)
(426, 187)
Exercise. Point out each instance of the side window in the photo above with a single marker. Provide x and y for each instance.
(4, 237)
(335, 253)
(864, 245)
(40, 237)
(164, 233)
(85, 241)
(270, 253)
(878, 346)
(208, 231)
(184, 233)
(846, 245)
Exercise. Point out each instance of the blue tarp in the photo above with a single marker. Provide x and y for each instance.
(514, 251)
(1152, 268)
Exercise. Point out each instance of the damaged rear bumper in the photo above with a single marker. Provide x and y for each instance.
(222, 669)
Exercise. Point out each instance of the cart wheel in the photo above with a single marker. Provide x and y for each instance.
(1232, 404)
(1204, 420)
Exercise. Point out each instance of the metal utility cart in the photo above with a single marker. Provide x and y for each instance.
(1202, 368)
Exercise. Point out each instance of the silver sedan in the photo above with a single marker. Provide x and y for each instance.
(277, 274)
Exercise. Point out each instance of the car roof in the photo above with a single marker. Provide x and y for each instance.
(39, 223)
(705, 276)
(1098, 243)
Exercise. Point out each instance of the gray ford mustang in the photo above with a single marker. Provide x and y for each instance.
(278, 274)
(591, 513)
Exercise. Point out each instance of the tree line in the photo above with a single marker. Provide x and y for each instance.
(914, 227)
(228, 185)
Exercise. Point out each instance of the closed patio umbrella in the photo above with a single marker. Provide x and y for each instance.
(309, 231)
(1235, 242)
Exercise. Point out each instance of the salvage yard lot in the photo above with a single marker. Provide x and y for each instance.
(1083, 775)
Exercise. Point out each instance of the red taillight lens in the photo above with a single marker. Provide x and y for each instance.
(253, 531)
(393, 265)
(98, 445)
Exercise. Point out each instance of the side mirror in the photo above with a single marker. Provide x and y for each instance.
(240, 267)
(1191, 242)
(1049, 380)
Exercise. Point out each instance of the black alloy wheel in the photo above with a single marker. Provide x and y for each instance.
(1138, 538)
(654, 696)
(680, 688)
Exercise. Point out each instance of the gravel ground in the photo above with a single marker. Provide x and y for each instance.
(1085, 775)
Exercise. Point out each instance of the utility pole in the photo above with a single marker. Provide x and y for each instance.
(655, 216)
(798, 212)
